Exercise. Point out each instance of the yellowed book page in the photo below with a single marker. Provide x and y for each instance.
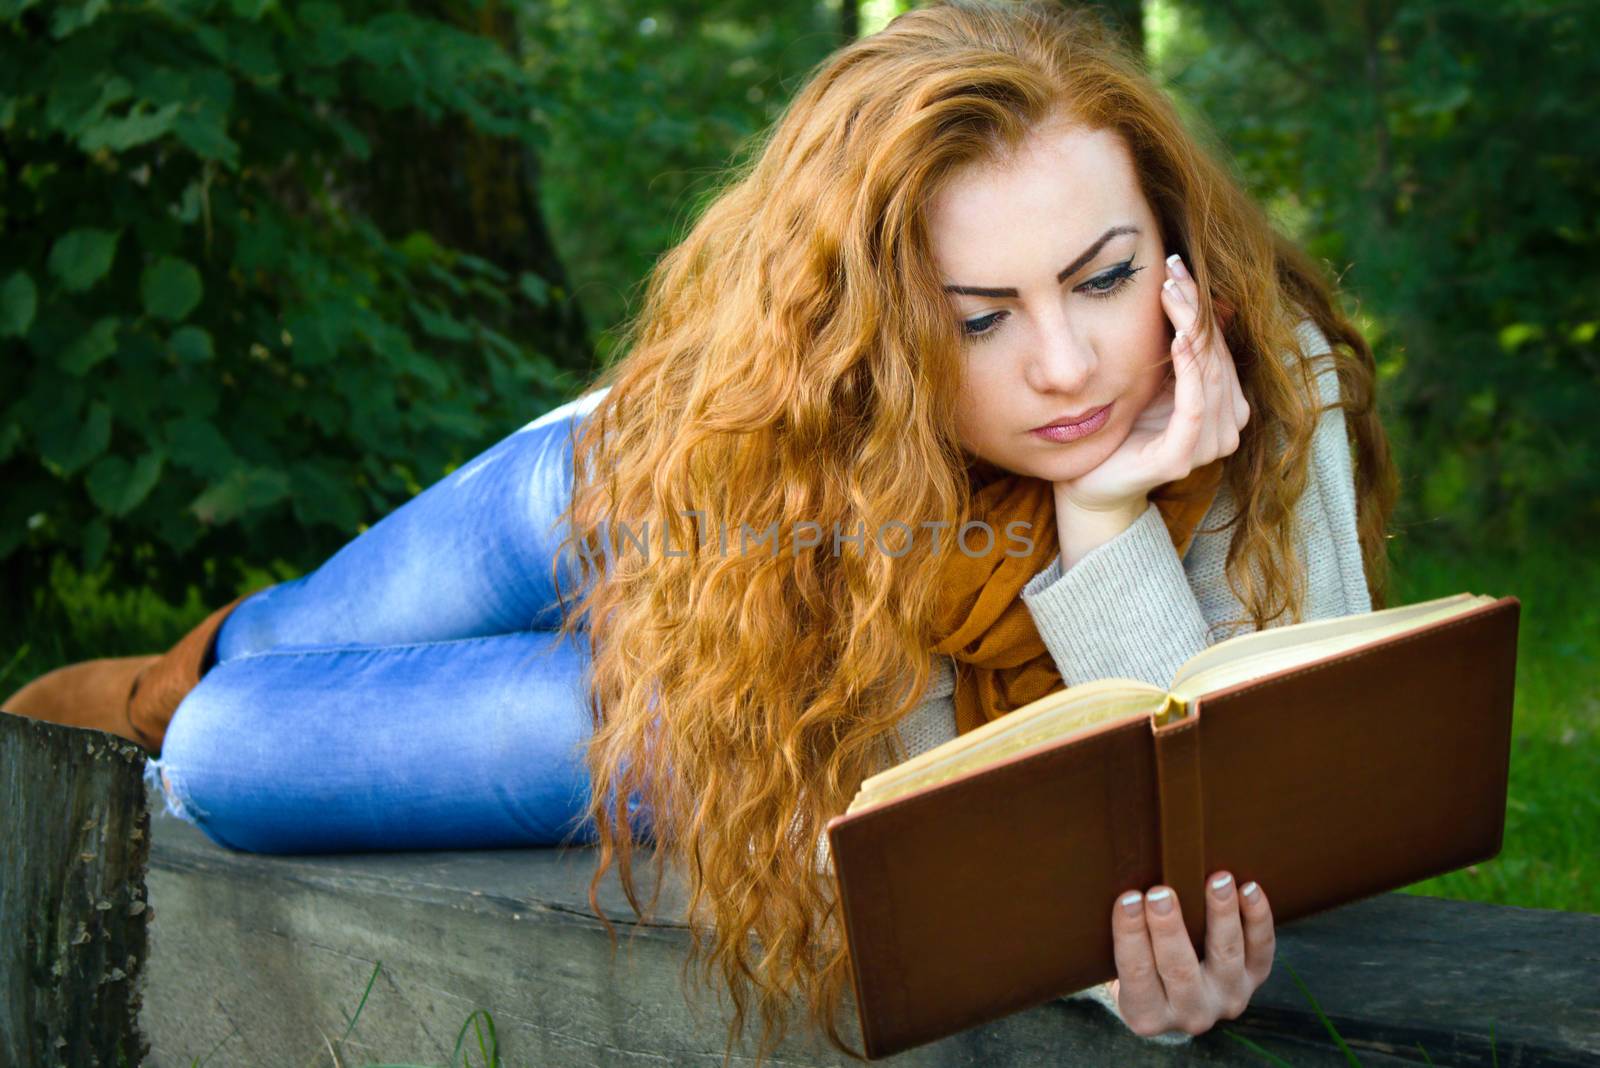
(1094, 704)
(1385, 621)
(1265, 658)
(1052, 718)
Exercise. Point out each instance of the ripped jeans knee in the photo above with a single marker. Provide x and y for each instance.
(158, 777)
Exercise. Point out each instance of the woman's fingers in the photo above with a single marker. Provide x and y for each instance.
(1141, 999)
(1188, 997)
(1218, 409)
(1183, 436)
(1224, 963)
(1260, 938)
(1161, 984)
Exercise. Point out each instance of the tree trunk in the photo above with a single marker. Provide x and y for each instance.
(72, 895)
(478, 193)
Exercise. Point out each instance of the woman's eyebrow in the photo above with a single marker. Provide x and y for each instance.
(1066, 272)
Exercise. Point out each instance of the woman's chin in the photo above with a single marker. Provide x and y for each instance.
(1053, 472)
(1065, 468)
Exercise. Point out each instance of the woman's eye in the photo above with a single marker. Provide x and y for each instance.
(982, 326)
(1106, 284)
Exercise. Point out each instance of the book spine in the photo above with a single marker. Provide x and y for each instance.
(1182, 818)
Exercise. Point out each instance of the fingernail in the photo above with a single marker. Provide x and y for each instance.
(1181, 336)
(1170, 286)
(1131, 901)
(1160, 899)
(1249, 889)
(1175, 262)
(1222, 886)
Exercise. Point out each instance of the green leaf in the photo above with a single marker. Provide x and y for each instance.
(355, 142)
(96, 540)
(91, 346)
(407, 360)
(311, 338)
(192, 344)
(19, 299)
(481, 265)
(1514, 336)
(10, 9)
(170, 287)
(319, 497)
(10, 438)
(420, 247)
(76, 102)
(196, 445)
(118, 488)
(260, 244)
(241, 491)
(81, 257)
(251, 51)
(71, 18)
(440, 324)
(135, 128)
(534, 288)
(207, 134)
(65, 444)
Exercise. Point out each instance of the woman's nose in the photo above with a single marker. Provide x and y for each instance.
(1062, 360)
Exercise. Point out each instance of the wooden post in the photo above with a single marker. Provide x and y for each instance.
(73, 910)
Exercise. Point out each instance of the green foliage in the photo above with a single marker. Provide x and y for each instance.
(1440, 158)
(208, 349)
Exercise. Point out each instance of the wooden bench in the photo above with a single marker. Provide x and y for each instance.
(262, 960)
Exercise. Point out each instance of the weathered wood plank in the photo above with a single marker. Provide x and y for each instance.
(266, 955)
(72, 895)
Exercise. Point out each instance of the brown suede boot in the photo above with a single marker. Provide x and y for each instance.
(91, 693)
(132, 697)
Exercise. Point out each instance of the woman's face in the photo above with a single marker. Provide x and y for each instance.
(1053, 264)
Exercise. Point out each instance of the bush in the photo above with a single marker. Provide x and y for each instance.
(208, 350)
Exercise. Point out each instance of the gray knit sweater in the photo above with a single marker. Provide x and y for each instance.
(1132, 609)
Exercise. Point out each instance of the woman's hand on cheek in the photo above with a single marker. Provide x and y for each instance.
(1195, 418)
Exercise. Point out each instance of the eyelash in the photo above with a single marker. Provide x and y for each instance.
(1119, 276)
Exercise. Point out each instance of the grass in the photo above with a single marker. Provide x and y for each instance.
(1552, 810)
(488, 1044)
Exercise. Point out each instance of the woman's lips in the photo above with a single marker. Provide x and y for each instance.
(1074, 431)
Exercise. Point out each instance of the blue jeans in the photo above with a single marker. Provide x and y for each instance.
(410, 693)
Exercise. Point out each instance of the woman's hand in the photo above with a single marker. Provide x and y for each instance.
(1160, 986)
(1195, 418)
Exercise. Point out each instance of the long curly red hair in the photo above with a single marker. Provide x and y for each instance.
(795, 361)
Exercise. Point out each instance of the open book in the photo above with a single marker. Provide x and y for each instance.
(1328, 760)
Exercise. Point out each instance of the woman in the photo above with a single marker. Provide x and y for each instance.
(957, 235)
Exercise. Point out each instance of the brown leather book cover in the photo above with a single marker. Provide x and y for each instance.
(1337, 779)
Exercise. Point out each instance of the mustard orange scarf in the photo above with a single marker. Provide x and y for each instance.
(981, 619)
